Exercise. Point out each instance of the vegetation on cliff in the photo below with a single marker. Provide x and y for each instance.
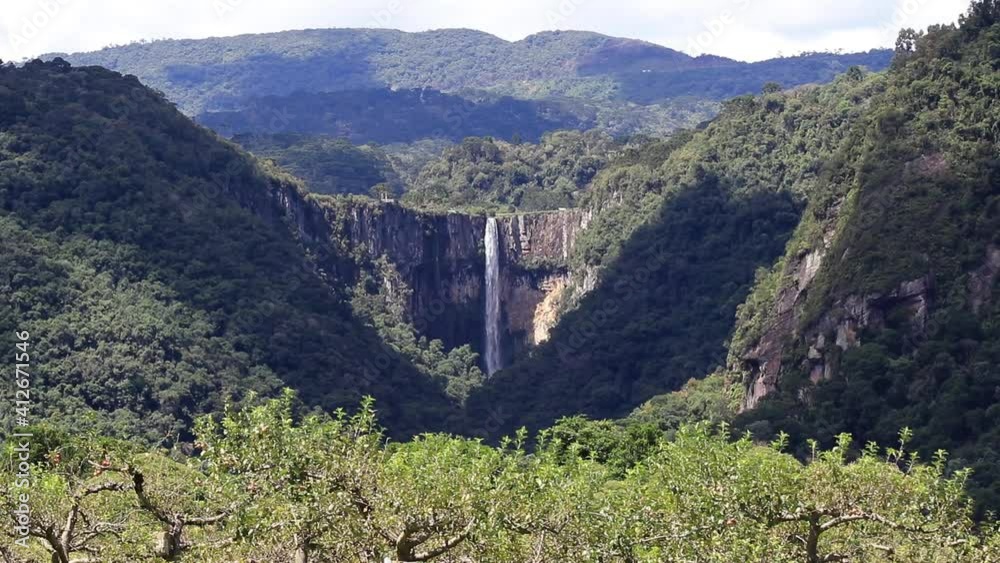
(529, 177)
(912, 199)
(327, 165)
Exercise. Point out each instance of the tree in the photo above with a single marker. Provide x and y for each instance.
(382, 192)
(981, 15)
(906, 41)
(856, 73)
(79, 511)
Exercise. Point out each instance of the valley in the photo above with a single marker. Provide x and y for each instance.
(332, 296)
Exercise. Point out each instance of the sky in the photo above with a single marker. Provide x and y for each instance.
(748, 30)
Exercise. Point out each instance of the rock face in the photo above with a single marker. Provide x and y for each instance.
(837, 330)
(441, 258)
(535, 251)
(762, 362)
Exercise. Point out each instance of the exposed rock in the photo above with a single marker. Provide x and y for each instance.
(808, 269)
(845, 320)
(439, 256)
(929, 165)
(547, 312)
(536, 250)
(542, 238)
(762, 362)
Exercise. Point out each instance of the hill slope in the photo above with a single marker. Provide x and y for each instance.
(153, 267)
(882, 311)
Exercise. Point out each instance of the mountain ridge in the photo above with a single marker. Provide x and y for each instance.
(223, 72)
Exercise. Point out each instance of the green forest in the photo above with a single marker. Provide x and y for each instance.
(485, 172)
(698, 245)
(157, 270)
(779, 339)
(219, 74)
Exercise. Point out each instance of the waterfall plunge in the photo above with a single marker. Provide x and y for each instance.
(494, 359)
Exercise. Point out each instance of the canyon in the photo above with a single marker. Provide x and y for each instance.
(441, 261)
(495, 283)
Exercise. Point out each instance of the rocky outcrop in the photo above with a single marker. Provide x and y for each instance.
(542, 238)
(837, 330)
(762, 362)
(440, 257)
(536, 248)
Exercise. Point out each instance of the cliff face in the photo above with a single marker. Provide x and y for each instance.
(535, 250)
(808, 328)
(440, 257)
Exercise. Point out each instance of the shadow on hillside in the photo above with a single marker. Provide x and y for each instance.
(660, 316)
(269, 75)
(725, 82)
(399, 116)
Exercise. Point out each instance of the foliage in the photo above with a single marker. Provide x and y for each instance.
(660, 315)
(326, 165)
(480, 172)
(223, 73)
(381, 298)
(267, 484)
(911, 196)
(399, 116)
(155, 274)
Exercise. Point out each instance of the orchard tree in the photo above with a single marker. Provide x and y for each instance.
(80, 511)
(304, 484)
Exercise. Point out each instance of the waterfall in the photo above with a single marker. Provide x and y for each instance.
(494, 358)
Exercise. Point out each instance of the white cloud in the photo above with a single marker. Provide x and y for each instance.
(754, 29)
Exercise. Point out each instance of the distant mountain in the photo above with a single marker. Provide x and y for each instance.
(224, 73)
(387, 116)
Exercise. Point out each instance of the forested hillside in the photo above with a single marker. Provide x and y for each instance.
(152, 264)
(220, 73)
(884, 311)
(485, 172)
(327, 165)
(387, 116)
(679, 230)
(880, 191)
(776, 334)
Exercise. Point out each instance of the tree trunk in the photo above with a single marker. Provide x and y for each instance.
(812, 542)
(301, 554)
(168, 544)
